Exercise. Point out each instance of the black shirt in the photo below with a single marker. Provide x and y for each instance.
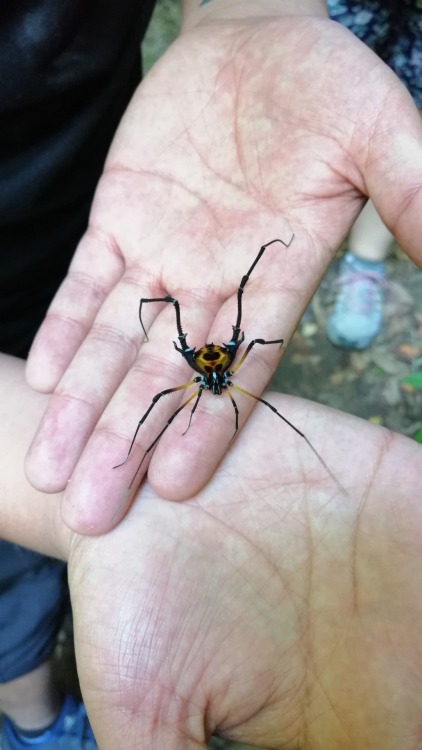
(68, 70)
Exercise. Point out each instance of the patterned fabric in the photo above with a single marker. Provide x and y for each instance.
(393, 29)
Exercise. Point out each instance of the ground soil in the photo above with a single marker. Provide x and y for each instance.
(370, 384)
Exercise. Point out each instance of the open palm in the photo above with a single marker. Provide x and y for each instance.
(242, 133)
(269, 608)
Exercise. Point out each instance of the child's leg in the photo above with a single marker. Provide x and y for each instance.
(357, 314)
(369, 238)
(32, 599)
(31, 701)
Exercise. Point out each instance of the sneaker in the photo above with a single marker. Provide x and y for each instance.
(357, 315)
(70, 731)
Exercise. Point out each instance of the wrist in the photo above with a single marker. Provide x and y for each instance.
(198, 12)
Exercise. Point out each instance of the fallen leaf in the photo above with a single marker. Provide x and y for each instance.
(338, 377)
(359, 361)
(407, 388)
(398, 294)
(309, 329)
(408, 352)
(376, 419)
(391, 392)
(387, 362)
(414, 380)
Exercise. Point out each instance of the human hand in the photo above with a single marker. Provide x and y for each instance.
(269, 128)
(268, 608)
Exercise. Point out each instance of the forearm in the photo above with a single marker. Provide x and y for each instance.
(201, 11)
(27, 517)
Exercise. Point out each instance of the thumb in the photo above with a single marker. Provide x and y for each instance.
(393, 170)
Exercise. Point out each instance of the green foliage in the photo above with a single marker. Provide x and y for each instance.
(162, 31)
(415, 379)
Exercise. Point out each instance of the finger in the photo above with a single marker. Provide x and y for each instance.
(95, 498)
(84, 392)
(393, 168)
(73, 309)
(94, 375)
(117, 231)
(97, 494)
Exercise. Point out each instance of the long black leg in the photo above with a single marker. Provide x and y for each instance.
(236, 410)
(181, 335)
(151, 406)
(248, 349)
(168, 423)
(314, 450)
(200, 392)
(245, 279)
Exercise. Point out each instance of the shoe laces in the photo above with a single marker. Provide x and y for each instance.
(359, 290)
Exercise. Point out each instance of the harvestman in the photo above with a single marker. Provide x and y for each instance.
(213, 364)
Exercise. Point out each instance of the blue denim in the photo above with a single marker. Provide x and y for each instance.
(33, 595)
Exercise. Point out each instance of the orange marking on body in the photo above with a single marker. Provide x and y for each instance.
(212, 358)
